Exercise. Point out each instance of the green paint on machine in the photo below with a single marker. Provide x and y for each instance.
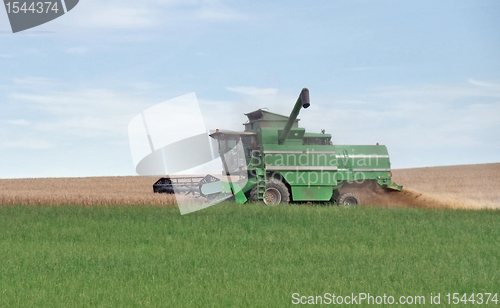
(312, 193)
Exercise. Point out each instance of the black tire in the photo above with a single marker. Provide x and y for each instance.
(348, 199)
(276, 193)
(335, 196)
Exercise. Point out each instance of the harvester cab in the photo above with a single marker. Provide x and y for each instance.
(235, 149)
(275, 161)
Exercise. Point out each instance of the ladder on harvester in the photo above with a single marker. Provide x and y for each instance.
(261, 183)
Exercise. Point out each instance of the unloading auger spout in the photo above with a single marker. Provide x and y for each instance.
(302, 102)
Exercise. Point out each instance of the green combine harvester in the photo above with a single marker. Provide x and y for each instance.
(276, 161)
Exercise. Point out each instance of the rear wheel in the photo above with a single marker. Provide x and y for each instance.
(348, 199)
(276, 193)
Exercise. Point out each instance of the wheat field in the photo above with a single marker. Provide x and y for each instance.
(122, 190)
(458, 187)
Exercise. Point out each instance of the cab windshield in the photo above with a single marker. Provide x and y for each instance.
(232, 155)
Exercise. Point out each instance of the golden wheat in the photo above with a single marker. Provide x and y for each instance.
(129, 190)
(455, 187)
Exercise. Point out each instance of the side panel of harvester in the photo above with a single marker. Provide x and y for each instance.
(313, 172)
(344, 163)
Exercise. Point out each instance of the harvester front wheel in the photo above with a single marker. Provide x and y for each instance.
(348, 199)
(276, 193)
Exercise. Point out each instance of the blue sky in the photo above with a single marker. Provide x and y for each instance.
(421, 77)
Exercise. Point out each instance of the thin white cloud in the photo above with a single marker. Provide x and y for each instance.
(33, 82)
(253, 91)
(361, 68)
(79, 50)
(220, 13)
(145, 86)
(484, 83)
(27, 144)
(440, 92)
(7, 56)
(436, 115)
(113, 15)
(19, 122)
(34, 51)
(89, 112)
(151, 14)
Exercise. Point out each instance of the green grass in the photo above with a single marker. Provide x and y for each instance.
(239, 256)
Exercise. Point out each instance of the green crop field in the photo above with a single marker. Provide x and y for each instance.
(240, 256)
